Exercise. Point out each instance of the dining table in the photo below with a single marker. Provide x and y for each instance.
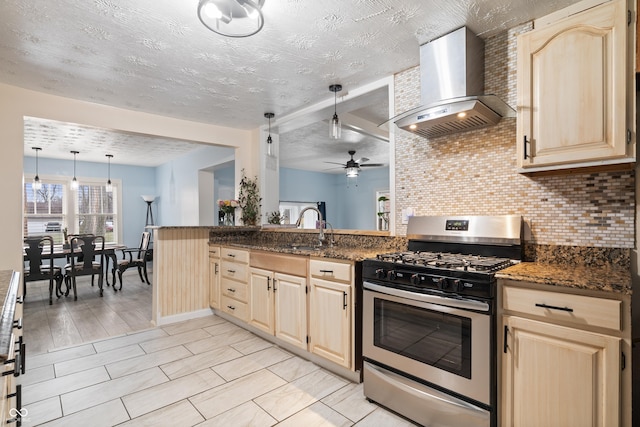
(109, 252)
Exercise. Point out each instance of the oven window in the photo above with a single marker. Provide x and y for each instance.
(439, 339)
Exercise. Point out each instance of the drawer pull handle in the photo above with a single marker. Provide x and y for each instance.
(19, 365)
(525, 142)
(553, 307)
(216, 268)
(269, 283)
(344, 300)
(230, 307)
(231, 289)
(274, 285)
(504, 341)
(18, 412)
(231, 271)
(326, 271)
(17, 323)
(232, 256)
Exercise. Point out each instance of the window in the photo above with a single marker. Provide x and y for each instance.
(44, 210)
(95, 211)
(90, 209)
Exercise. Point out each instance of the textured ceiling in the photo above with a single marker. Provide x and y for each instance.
(158, 58)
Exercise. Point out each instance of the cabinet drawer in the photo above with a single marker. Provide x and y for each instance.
(576, 309)
(233, 289)
(234, 270)
(330, 270)
(214, 251)
(235, 308)
(237, 255)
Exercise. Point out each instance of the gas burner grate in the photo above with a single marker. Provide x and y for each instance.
(450, 261)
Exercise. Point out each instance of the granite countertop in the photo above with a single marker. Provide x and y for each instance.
(601, 278)
(335, 252)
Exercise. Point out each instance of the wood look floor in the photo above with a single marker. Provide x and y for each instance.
(98, 362)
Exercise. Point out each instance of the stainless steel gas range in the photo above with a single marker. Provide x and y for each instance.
(429, 340)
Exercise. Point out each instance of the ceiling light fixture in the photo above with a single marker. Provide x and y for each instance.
(269, 140)
(232, 18)
(74, 181)
(37, 185)
(352, 167)
(335, 130)
(109, 186)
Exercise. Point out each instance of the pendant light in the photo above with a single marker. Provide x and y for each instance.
(269, 140)
(335, 130)
(74, 181)
(109, 187)
(37, 185)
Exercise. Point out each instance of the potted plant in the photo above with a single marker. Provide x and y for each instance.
(274, 217)
(249, 200)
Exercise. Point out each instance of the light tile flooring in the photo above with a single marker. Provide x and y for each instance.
(205, 372)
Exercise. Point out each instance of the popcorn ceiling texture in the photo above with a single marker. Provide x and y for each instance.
(474, 173)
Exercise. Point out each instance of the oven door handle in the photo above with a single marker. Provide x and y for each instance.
(462, 303)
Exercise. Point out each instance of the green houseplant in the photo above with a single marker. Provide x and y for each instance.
(249, 199)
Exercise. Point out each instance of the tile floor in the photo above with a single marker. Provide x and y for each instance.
(205, 372)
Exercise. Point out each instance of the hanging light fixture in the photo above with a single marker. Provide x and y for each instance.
(109, 186)
(74, 181)
(232, 18)
(36, 185)
(269, 140)
(352, 167)
(335, 129)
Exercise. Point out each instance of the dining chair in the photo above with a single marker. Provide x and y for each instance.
(39, 257)
(90, 263)
(134, 257)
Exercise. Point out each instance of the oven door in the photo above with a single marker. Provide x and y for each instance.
(435, 339)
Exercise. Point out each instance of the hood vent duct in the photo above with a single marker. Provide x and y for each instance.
(452, 89)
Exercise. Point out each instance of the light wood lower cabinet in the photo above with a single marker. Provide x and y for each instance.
(214, 276)
(279, 305)
(556, 370)
(234, 282)
(330, 320)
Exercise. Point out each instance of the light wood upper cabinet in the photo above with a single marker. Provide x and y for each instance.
(575, 105)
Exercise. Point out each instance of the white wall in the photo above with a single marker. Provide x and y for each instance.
(15, 103)
(177, 184)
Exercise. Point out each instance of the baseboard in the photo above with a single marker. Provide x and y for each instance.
(165, 320)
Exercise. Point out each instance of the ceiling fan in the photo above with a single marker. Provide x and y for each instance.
(352, 166)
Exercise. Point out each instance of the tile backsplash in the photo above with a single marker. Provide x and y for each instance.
(474, 172)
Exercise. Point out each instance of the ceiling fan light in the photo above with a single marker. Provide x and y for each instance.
(352, 172)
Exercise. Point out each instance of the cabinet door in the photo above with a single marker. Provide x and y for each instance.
(261, 300)
(330, 314)
(214, 282)
(572, 86)
(554, 375)
(291, 309)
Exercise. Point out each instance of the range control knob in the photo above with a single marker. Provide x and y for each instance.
(392, 275)
(442, 283)
(380, 273)
(415, 279)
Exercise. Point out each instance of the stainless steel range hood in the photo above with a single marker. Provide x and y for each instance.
(452, 89)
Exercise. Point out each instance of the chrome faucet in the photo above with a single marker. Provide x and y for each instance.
(321, 235)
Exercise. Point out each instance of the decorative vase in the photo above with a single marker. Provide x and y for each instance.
(228, 219)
